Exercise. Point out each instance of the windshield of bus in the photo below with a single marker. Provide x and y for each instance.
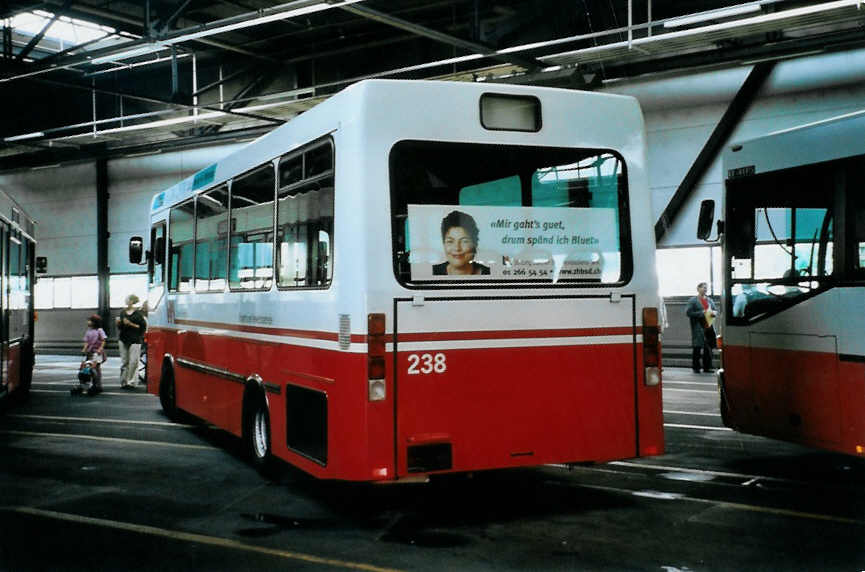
(780, 241)
(469, 214)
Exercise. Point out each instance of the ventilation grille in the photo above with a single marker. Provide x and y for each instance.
(344, 331)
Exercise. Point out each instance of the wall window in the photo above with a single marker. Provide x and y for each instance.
(681, 269)
(305, 218)
(211, 234)
(79, 292)
(43, 293)
(251, 234)
(122, 285)
(181, 246)
(66, 292)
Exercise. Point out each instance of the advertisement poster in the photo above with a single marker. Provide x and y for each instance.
(450, 242)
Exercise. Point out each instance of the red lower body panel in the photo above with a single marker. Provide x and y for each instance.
(813, 398)
(494, 407)
(12, 366)
(526, 406)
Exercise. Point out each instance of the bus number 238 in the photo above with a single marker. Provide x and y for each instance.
(426, 363)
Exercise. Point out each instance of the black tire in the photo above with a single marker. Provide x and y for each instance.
(256, 431)
(725, 413)
(167, 395)
(722, 406)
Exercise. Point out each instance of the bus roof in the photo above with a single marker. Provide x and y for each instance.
(826, 140)
(340, 110)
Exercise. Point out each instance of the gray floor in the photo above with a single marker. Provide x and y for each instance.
(108, 483)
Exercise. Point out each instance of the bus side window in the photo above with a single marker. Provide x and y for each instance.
(155, 263)
(305, 218)
(211, 231)
(182, 248)
(251, 233)
(858, 217)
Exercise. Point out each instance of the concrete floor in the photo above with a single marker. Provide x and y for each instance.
(108, 483)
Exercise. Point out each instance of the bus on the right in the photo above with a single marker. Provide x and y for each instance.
(793, 234)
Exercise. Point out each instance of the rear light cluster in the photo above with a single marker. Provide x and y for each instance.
(377, 390)
(651, 347)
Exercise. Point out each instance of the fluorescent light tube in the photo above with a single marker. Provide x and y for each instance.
(262, 20)
(130, 53)
(713, 15)
(24, 137)
(205, 31)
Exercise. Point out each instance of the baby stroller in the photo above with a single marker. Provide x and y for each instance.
(86, 373)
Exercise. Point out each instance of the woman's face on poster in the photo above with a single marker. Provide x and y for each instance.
(459, 248)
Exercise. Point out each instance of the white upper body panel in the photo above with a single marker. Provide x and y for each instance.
(365, 121)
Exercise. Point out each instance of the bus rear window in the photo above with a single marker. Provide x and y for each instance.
(475, 213)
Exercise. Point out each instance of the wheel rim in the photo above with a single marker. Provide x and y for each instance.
(260, 433)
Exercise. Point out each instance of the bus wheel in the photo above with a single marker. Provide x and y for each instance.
(256, 432)
(724, 409)
(167, 397)
(725, 413)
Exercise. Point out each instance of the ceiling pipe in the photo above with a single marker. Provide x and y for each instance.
(163, 41)
(94, 11)
(375, 15)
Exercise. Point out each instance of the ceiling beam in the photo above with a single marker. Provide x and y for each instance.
(153, 100)
(90, 152)
(82, 9)
(367, 12)
(171, 19)
(728, 122)
(259, 82)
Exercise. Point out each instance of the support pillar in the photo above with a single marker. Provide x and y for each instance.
(102, 234)
(731, 118)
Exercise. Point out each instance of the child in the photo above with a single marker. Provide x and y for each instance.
(85, 379)
(94, 351)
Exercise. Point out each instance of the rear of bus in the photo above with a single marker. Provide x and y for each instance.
(515, 321)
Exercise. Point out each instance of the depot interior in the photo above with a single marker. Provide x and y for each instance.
(107, 103)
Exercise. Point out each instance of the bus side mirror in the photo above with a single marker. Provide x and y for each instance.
(707, 216)
(159, 250)
(136, 249)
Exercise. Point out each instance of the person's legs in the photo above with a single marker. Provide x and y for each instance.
(134, 352)
(695, 360)
(124, 362)
(97, 370)
(707, 358)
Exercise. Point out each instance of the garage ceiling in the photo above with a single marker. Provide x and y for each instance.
(138, 77)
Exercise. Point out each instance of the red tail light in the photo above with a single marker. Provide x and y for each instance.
(375, 364)
(651, 346)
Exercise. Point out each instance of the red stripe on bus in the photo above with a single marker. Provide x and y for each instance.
(423, 336)
(515, 334)
(309, 334)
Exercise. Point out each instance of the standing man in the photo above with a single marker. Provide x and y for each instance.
(701, 311)
(130, 331)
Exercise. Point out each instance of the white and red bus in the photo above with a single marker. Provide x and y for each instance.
(417, 277)
(794, 285)
(17, 252)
